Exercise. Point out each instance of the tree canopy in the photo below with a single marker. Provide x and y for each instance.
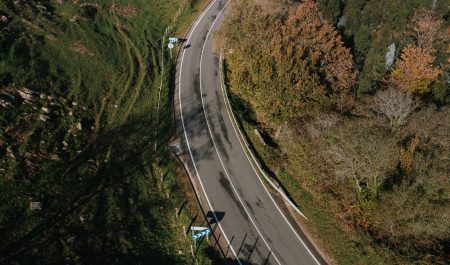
(287, 62)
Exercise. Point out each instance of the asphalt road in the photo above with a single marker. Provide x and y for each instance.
(249, 220)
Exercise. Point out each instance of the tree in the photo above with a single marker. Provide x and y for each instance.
(323, 46)
(425, 29)
(290, 60)
(396, 105)
(414, 72)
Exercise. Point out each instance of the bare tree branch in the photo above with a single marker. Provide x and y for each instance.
(396, 105)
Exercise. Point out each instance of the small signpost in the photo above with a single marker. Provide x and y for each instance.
(198, 228)
(201, 234)
(172, 40)
(203, 231)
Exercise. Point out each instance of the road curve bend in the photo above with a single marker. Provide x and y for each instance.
(248, 218)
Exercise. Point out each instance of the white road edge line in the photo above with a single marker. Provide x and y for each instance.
(236, 130)
(186, 137)
(215, 146)
(243, 142)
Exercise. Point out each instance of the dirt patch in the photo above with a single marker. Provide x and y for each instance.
(121, 26)
(123, 10)
(77, 18)
(50, 37)
(80, 48)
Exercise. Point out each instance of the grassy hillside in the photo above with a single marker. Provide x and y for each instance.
(362, 147)
(85, 174)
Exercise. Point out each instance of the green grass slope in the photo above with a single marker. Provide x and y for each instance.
(79, 134)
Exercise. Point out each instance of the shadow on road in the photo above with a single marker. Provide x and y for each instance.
(215, 217)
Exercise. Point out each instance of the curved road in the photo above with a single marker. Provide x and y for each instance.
(254, 228)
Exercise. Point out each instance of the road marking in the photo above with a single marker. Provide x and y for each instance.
(236, 130)
(220, 159)
(214, 143)
(185, 133)
(243, 142)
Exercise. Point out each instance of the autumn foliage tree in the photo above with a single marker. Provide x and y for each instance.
(323, 45)
(414, 72)
(286, 62)
(425, 29)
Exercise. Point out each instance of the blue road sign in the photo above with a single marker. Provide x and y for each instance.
(173, 40)
(201, 234)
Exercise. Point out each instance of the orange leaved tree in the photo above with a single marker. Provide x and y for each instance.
(323, 47)
(426, 29)
(414, 72)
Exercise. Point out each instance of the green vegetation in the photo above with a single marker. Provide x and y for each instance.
(85, 172)
(366, 156)
(370, 27)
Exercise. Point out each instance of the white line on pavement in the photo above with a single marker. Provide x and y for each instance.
(187, 140)
(214, 143)
(237, 130)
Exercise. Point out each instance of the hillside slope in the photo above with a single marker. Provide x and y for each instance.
(357, 132)
(85, 174)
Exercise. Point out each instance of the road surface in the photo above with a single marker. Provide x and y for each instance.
(253, 226)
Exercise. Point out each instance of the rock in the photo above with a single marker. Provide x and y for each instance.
(42, 96)
(74, 103)
(433, 5)
(10, 152)
(44, 109)
(79, 127)
(43, 117)
(341, 22)
(35, 206)
(390, 55)
(55, 157)
(70, 113)
(27, 94)
(4, 103)
(71, 239)
(65, 144)
(3, 19)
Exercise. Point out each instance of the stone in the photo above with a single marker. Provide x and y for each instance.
(35, 206)
(43, 117)
(390, 55)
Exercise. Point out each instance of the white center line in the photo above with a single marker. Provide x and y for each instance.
(215, 146)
